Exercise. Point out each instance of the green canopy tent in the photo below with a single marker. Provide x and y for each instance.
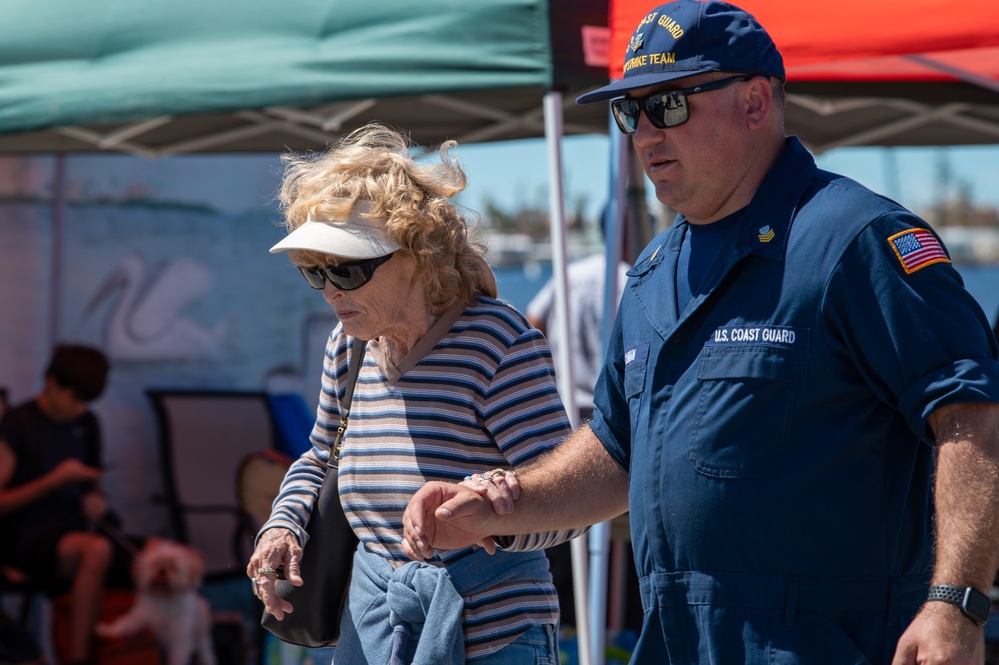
(166, 78)
(160, 78)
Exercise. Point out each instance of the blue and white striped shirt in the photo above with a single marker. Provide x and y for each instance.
(478, 392)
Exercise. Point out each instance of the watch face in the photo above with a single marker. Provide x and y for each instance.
(976, 604)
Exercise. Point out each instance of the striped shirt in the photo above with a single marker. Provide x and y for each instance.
(478, 392)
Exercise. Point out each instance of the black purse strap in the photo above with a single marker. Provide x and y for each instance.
(353, 369)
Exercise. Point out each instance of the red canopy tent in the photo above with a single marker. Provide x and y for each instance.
(815, 37)
(922, 72)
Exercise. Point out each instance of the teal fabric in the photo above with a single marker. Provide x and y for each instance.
(73, 62)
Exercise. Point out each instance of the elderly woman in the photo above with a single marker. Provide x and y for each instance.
(453, 383)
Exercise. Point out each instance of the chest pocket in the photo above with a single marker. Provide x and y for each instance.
(636, 365)
(747, 397)
(636, 362)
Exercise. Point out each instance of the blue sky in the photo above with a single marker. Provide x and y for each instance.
(516, 171)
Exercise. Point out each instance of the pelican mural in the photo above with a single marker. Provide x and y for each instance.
(145, 322)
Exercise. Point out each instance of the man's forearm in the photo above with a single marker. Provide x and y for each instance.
(967, 494)
(576, 484)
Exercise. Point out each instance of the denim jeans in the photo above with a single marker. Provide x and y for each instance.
(538, 646)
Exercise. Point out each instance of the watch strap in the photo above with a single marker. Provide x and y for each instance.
(973, 603)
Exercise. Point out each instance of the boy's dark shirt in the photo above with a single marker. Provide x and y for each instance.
(40, 444)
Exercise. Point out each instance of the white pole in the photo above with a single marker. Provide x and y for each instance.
(563, 359)
(599, 535)
(55, 269)
(620, 147)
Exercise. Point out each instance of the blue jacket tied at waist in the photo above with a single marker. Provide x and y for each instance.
(388, 607)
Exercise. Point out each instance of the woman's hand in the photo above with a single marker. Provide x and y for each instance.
(500, 486)
(277, 549)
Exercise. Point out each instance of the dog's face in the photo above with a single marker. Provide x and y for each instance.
(165, 567)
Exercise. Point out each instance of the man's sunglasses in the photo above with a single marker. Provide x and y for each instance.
(666, 108)
(346, 276)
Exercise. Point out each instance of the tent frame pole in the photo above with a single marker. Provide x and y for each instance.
(55, 269)
(563, 360)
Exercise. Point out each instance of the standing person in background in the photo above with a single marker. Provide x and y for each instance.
(50, 491)
(800, 404)
(585, 279)
(453, 381)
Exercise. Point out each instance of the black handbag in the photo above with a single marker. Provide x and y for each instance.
(328, 556)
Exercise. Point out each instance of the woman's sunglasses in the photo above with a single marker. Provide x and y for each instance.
(346, 276)
(666, 108)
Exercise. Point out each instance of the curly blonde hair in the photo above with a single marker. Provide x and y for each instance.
(375, 164)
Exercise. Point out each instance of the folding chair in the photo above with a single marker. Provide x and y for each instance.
(257, 482)
(204, 438)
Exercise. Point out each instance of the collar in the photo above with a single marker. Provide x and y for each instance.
(766, 221)
(768, 218)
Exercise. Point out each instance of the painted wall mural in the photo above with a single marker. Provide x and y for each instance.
(147, 320)
(163, 265)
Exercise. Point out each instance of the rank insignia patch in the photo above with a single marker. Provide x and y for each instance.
(766, 234)
(917, 248)
(636, 42)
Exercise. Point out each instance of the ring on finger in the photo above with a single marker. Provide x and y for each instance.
(255, 588)
(267, 570)
(489, 476)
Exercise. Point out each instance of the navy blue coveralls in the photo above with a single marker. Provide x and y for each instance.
(775, 431)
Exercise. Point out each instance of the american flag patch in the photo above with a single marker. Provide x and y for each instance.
(917, 248)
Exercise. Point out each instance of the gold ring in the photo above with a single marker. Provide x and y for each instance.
(267, 570)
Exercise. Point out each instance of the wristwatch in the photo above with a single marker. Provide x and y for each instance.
(973, 603)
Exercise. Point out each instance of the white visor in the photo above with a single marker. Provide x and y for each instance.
(353, 238)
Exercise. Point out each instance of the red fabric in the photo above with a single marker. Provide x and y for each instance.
(854, 39)
(138, 649)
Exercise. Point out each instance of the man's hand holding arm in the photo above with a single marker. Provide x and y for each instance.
(576, 484)
(967, 533)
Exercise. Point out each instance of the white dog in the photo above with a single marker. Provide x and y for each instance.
(167, 575)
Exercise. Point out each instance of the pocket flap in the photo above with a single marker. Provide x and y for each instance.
(753, 362)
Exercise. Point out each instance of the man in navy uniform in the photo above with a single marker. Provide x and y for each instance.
(800, 404)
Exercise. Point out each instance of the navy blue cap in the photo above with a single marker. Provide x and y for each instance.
(690, 37)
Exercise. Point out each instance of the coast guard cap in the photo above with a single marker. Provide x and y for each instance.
(690, 37)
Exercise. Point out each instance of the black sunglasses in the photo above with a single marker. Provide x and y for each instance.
(346, 276)
(666, 108)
